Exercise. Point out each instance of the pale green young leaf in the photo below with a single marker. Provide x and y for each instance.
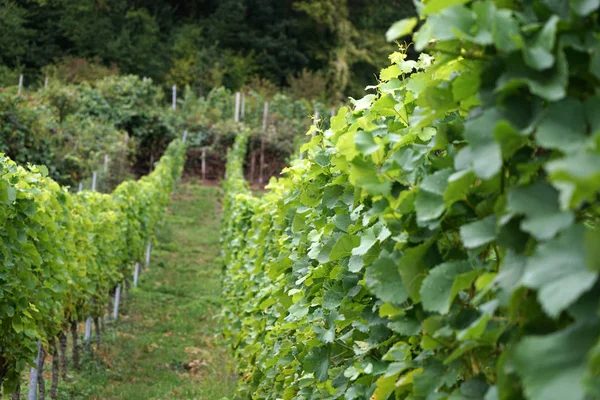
(401, 28)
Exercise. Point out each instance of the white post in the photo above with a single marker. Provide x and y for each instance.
(204, 163)
(105, 163)
(148, 251)
(236, 115)
(183, 139)
(33, 376)
(94, 179)
(174, 105)
(243, 111)
(88, 322)
(46, 83)
(20, 84)
(265, 114)
(117, 299)
(80, 188)
(88, 329)
(136, 274)
(262, 143)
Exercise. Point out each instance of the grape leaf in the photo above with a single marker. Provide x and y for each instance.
(558, 270)
(539, 203)
(443, 283)
(560, 373)
(479, 233)
(384, 281)
(401, 28)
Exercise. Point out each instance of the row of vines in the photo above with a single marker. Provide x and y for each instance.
(61, 253)
(71, 128)
(440, 240)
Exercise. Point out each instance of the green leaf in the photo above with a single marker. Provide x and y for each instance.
(343, 247)
(426, 134)
(479, 233)
(591, 105)
(465, 86)
(401, 28)
(476, 329)
(439, 98)
(549, 84)
(538, 58)
(511, 271)
(374, 185)
(583, 8)
(539, 203)
(558, 270)
(560, 7)
(473, 389)
(390, 72)
(324, 335)
(595, 60)
(507, 34)
(364, 103)
(437, 182)
(385, 386)
(327, 334)
(384, 281)
(365, 143)
(428, 381)
(592, 250)
(331, 195)
(429, 206)
(367, 240)
(577, 176)
(563, 126)
(538, 55)
(435, 6)
(484, 153)
(338, 121)
(423, 36)
(317, 362)
(332, 298)
(8, 194)
(17, 325)
(412, 269)
(405, 326)
(443, 284)
(458, 186)
(553, 366)
(355, 264)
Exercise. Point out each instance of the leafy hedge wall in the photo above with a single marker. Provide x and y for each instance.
(441, 240)
(61, 253)
(70, 128)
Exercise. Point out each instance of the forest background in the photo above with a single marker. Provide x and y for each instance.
(318, 49)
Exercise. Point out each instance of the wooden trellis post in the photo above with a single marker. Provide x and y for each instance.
(262, 144)
(236, 115)
(174, 103)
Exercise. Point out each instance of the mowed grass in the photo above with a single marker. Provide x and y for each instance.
(166, 344)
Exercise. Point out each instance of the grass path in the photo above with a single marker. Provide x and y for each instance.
(165, 345)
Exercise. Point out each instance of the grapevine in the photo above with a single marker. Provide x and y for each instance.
(440, 239)
(61, 253)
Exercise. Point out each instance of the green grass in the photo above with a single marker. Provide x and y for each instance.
(166, 344)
